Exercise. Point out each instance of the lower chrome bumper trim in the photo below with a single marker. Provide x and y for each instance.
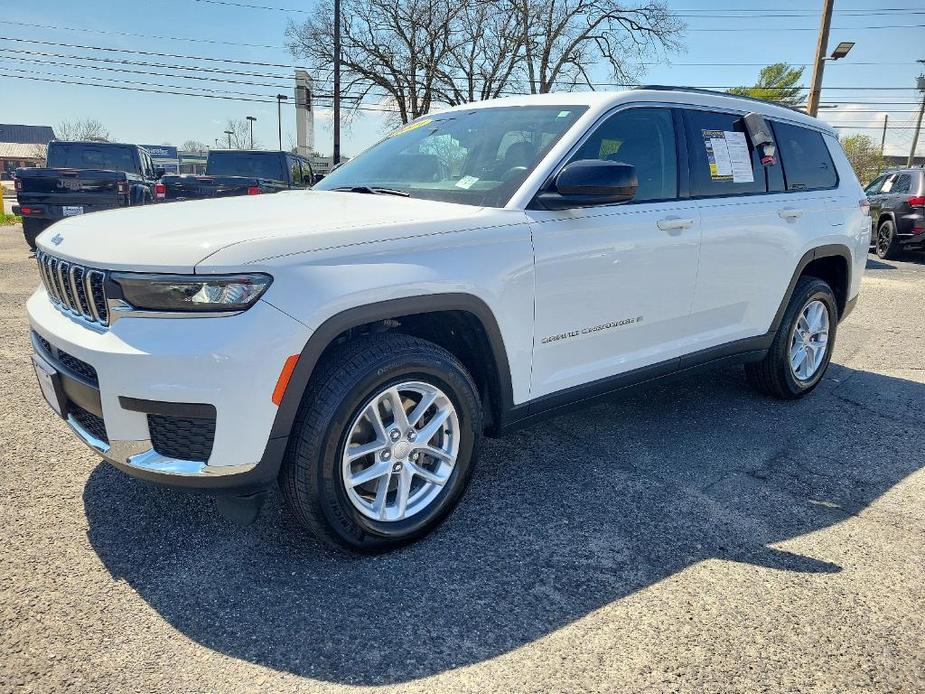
(142, 456)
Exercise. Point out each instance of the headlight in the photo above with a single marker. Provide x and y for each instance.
(191, 292)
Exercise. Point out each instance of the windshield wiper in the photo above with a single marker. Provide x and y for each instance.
(373, 191)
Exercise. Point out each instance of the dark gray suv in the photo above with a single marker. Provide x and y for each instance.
(897, 210)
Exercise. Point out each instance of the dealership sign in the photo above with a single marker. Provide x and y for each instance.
(165, 156)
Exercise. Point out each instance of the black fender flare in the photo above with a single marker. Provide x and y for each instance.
(382, 310)
(834, 250)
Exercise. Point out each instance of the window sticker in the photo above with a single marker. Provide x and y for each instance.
(728, 156)
(466, 182)
(564, 114)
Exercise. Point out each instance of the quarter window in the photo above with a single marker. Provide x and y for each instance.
(718, 164)
(805, 158)
(645, 138)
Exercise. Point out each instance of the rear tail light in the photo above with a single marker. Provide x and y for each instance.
(865, 207)
(917, 201)
(122, 187)
(160, 191)
(31, 210)
(253, 190)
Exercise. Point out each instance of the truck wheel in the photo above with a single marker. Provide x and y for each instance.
(31, 228)
(887, 242)
(384, 443)
(802, 347)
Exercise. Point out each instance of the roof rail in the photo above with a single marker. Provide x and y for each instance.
(712, 92)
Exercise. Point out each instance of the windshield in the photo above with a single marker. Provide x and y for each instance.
(478, 157)
(248, 164)
(91, 156)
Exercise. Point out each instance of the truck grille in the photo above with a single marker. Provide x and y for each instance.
(74, 288)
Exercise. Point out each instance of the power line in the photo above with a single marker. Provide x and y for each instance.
(151, 53)
(33, 25)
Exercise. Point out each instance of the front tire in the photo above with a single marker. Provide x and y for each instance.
(887, 247)
(802, 347)
(384, 443)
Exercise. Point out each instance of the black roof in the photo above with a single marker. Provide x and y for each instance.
(27, 134)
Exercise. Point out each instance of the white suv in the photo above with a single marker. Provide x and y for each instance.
(473, 271)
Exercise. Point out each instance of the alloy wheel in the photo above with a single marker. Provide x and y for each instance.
(809, 340)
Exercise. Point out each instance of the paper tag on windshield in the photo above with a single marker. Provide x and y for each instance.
(466, 182)
(563, 114)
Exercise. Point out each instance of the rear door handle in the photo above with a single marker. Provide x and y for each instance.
(790, 213)
(673, 223)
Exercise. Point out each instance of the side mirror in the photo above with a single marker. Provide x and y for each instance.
(159, 171)
(590, 182)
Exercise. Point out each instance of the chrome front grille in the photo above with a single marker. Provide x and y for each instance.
(74, 288)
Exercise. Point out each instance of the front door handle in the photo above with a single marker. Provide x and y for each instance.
(790, 213)
(674, 223)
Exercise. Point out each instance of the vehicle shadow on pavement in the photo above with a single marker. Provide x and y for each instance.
(561, 519)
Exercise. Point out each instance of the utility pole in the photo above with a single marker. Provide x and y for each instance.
(280, 98)
(918, 124)
(812, 103)
(886, 119)
(252, 119)
(229, 133)
(336, 153)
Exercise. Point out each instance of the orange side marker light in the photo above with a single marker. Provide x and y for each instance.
(284, 377)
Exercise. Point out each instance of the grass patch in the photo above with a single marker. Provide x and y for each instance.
(8, 219)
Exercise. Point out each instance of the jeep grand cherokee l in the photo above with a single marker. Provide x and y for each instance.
(473, 271)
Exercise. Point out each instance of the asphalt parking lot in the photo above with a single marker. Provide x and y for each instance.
(689, 536)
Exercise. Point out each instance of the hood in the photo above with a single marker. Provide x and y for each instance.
(174, 237)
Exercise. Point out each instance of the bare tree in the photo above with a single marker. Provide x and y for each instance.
(240, 137)
(394, 50)
(415, 54)
(487, 59)
(563, 39)
(193, 146)
(85, 129)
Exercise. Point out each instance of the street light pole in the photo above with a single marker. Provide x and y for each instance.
(252, 120)
(280, 98)
(918, 123)
(812, 103)
(229, 133)
(336, 152)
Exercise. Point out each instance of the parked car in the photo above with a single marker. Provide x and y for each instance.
(475, 271)
(83, 177)
(897, 207)
(231, 172)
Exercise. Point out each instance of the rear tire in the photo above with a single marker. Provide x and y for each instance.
(782, 373)
(31, 228)
(887, 246)
(351, 386)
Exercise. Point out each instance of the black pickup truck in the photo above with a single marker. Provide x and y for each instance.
(232, 172)
(83, 177)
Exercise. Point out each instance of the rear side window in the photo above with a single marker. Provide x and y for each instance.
(722, 161)
(903, 184)
(643, 137)
(805, 158)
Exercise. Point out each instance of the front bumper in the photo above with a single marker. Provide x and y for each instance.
(146, 370)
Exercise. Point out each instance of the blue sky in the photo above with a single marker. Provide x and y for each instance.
(741, 45)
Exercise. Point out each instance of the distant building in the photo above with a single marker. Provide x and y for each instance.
(23, 145)
(193, 162)
(322, 165)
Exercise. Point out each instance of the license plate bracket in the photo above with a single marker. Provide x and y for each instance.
(50, 385)
(72, 210)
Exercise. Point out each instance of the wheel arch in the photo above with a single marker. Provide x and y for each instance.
(831, 263)
(462, 323)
